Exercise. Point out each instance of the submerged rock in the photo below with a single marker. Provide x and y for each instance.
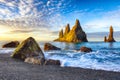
(11, 44)
(49, 46)
(52, 62)
(85, 49)
(74, 35)
(28, 48)
(110, 38)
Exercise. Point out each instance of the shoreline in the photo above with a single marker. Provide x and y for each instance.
(12, 69)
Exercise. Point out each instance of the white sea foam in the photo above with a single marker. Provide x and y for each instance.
(6, 50)
(94, 60)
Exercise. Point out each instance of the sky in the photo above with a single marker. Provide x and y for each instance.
(43, 19)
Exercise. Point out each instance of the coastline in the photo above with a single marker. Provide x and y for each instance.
(12, 69)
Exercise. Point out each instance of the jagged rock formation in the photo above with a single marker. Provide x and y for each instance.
(11, 44)
(110, 38)
(49, 46)
(28, 48)
(76, 34)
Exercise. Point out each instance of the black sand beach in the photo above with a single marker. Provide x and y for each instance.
(11, 69)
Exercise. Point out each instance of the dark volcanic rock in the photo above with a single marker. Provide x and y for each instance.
(110, 38)
(85, 49)
(74, 35)
(49, 46)
(28, 48)
(11, 44)
(52, 62)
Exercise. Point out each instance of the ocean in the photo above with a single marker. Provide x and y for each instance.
(105, 56)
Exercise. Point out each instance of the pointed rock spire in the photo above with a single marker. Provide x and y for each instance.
(67, 29)
(110, 38)
(61, 33)
(77, 26)
(105, 39)
(111, 33)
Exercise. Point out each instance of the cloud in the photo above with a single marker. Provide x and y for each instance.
(48, 3)
(23, 31)
(101, 20)
(33, 13)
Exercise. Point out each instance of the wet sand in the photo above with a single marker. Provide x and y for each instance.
(12, 69)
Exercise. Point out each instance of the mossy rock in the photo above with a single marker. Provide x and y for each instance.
(28, 48)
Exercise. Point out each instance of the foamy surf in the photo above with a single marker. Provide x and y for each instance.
(98, 60)
(6, 50)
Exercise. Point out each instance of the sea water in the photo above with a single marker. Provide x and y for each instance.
(105, 56)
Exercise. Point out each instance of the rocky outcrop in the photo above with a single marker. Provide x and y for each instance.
(11, 44)
(35, 60)
(85, 49)
(76, 34)
(28, 48)
(110, 38)
(49, 46)
(52, 62)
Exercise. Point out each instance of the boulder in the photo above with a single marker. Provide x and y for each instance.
(110, 38)
(85, 49)
(76, 34)
(11, 44)
(49, 46)
(28, 48)
(35, 60)
(52, 62)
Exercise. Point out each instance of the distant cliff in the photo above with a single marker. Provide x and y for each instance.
(76, 34)
(110, 38)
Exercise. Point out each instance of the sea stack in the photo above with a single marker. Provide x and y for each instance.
(76, 34)
(110, 38)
